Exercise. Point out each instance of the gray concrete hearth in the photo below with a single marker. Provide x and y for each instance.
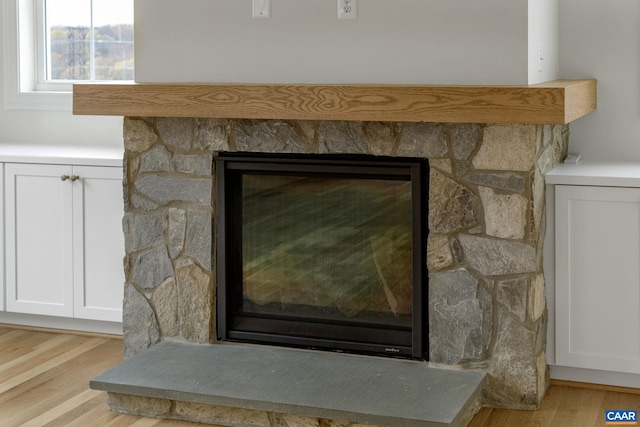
(486, 229)
(253, 385)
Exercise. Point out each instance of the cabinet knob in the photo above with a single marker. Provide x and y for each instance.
(64, 177)
(74, 178)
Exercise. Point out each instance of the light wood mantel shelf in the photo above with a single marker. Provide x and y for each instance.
(555, 102)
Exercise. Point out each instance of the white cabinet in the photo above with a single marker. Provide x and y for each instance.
(2, 286)
(64, 242)
(597, 298)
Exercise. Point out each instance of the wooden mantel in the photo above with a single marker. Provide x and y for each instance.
(556, 102)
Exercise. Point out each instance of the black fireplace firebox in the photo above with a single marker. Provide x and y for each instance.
(323, 251)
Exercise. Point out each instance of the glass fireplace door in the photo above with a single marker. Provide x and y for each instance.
(320, 253)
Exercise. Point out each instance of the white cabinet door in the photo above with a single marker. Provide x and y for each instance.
(64, 241)
(99, 243)
(2, 263)
(38, 239)
(598, 278)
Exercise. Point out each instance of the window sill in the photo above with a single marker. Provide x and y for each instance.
(40, 100)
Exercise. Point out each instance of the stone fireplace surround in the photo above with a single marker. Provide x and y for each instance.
(486, 225)
(486, 221)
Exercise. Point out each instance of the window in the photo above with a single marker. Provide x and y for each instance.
(50, 44)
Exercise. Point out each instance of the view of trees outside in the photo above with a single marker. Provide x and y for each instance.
(71, 54)
(89, 39)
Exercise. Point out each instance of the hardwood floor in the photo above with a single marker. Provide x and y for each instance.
(562, 406)
(44, 381)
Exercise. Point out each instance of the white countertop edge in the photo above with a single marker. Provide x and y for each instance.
(73, 155)
(606, 174)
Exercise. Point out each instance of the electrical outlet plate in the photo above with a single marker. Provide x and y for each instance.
(540, 58)
(261, 8)
(347, 9)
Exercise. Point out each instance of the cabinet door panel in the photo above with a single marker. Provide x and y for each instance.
(99, 243)
(2, 239)
(38, 240)
(598, 278)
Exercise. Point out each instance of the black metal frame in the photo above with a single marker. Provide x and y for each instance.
(341, 336)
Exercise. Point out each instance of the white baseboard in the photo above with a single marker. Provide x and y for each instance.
(594, 376)
(93, 326)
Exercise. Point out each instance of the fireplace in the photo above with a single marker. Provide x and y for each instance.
(487, 147)
(486, 306)
(323, 251)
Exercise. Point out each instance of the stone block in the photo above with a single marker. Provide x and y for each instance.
(241, 417)
(199, 238)
(195, 300)
(194, 164)
(451, 206)
(138, 135)
(538, 206)
(139, 324)
(537, 301)
(546, 137)
(138, 405)
(221, 415)
(270, 136)
(381, 137)
(151, 267)
(139, 202)
(540, 328)
(308, 128)
(496, 257)
(456, 250)
(550, 158)
(561, 138)
(459, 318)
(507, 181)
(505, 215)
(176, 131)
(342, 137)
(543, 375)
(164, 301)
(163, 189)
(438, 253)
(177, 229)
(157, 159)
(513, 371)
(507, 148)
(443, 165)
(423, 140)
(130, 164)
(464, 139)
(143, 230)
(211, 135)
(512, 294)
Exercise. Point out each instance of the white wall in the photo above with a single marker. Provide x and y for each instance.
(543, 41)
(596, 40)
(601, 39)
(54, 127)
(391, 41)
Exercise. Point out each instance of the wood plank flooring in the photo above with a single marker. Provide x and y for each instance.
(44, 381)
(562, 406)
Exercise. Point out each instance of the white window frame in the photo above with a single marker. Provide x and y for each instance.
(20, 62)
(23, 42)
(42, 64)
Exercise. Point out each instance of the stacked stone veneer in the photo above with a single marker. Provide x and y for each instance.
(486, 220)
